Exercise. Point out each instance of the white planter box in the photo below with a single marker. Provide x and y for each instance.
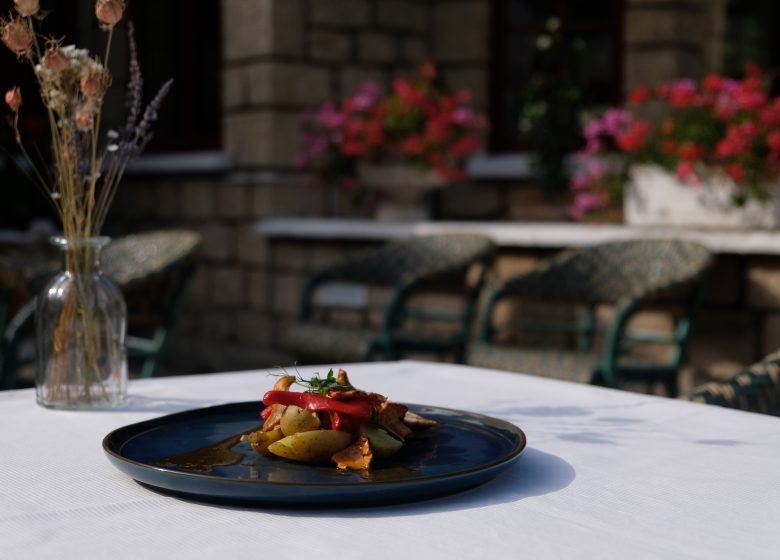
(405, 189)
(655, 197)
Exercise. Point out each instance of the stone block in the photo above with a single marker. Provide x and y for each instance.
(770, 339)
(219, 243)
(290, 199)
(261, 27)
(198, 291)
(401, 15)
(507, 266)
(232, 201)
(277, 83)
(259, 289)
(330, 45)
(377, 47)
(263, 138)
(228, 286)
(235, 87)
(653, 25)
(347, 13)
(253, 248)
(291, 256)
(323, 255)
(652, 66)
(286, 293)
(254, 328)
(218, 325)
(169, 202)
(763, 283)
(471, 201)
(722, 342)
(724, 282)
(351, 77)
(473, 79)
(197, 200)
(461, 31)
(413, 49)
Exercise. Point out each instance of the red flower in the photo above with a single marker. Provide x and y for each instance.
(465, 146)
(713, 83)
(634, 138)
(639, 95)
(736, 172)
(668, 147)
(690, 152)
(773, 140)
(412, 145)
(685, 171)
(667, 127)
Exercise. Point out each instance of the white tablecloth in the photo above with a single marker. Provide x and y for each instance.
(607, 474)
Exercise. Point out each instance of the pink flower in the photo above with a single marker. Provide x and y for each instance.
(463, 115)
(18, 37)
(586, 202)
(13, 98)
(27, 8)
(109, 12)
(685, 171)
(329, 117)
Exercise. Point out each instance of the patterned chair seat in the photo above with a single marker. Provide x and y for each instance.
(330, 343)
(625, 275)
(757, 389)
(403, 269)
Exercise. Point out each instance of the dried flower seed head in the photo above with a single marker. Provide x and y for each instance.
(27, 8)
(13, 98)
(84, 120)
(18, 37)
(109, 12)
(55, 60)
(92, 85)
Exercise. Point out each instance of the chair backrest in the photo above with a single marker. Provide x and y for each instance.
(756, 389)
(152, 269)
(412, 260)
(611, 272)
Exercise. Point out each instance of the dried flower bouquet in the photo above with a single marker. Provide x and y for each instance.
(86, 168)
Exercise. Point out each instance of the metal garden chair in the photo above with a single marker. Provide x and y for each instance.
(454, 264)
(153, 270)
(756, 389)
(627, 275)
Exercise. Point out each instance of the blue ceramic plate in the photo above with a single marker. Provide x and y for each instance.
(196, 454)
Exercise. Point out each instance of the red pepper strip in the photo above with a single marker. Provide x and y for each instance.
(315, 403)
(325, 421)
(266, 412)
(345, 422)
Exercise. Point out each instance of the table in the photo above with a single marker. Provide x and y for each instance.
(607, 474)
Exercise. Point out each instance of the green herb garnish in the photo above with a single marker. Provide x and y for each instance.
(320, 385)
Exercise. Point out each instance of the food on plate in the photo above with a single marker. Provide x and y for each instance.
(332, 420)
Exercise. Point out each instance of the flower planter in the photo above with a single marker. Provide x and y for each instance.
(405, 189)
(655, 197)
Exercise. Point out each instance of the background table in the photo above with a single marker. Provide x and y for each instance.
(607, 474)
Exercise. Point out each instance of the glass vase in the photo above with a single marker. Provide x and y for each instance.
(81, 323)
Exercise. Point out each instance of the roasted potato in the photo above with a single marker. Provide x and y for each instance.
(311, 447)
(296, 419)
(261, 440)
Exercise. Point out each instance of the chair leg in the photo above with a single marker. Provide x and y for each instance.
(670, 384)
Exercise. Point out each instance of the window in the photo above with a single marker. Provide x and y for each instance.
(593, 28)
(176, 39)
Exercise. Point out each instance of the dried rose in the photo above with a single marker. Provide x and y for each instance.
(55, 60)
(92, 85)
(13, 98)
(109, 12)
(84, 120)
(27, 8)
(17, 37)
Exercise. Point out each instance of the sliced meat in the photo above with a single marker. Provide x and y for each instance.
(356, 457)
(416, 421)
